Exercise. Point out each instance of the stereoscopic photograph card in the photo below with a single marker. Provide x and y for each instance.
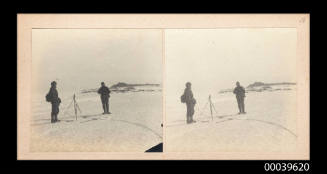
(163, 86)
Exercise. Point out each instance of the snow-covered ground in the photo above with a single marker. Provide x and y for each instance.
(133, 126)
(268, 126)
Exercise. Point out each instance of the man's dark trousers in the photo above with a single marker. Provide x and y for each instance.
(105, 103)
(190, 112)
(240, 103)
(54, 111)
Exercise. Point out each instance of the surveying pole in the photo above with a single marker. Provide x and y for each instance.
(75, 108)
(210, 107)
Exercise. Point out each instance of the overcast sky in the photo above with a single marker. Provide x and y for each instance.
(82, 58)
(214, 59)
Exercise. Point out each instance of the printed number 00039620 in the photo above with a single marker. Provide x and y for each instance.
(287, 167)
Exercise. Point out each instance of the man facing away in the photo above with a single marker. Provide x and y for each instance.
(52, 97)
(239, 91)
(105, 94)
(190, 103)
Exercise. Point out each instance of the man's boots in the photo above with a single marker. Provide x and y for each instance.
(56, 118)
(53, 118)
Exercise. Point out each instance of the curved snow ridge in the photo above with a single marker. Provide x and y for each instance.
(47, 121)
(229, 135)
(272, 123)
(94, 134)
(263, 121)
(208, 120)
(140, 125)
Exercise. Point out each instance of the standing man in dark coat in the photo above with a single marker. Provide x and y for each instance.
(190, 103)
(239, 91)
(52, 97)
(105, 94)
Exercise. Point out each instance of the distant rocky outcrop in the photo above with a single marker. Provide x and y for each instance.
(120, 84)
(122, 87)
(260, 87)
(260, 84)
(255, 84)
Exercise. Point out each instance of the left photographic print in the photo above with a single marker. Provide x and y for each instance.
(96, 90)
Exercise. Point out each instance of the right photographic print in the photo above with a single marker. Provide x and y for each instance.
(231, 90)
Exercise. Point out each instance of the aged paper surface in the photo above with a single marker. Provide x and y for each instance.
(212, 51)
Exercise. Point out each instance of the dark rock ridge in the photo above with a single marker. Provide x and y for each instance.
(122, 87)
(257, 84)
(260, 87)
(122, 84)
